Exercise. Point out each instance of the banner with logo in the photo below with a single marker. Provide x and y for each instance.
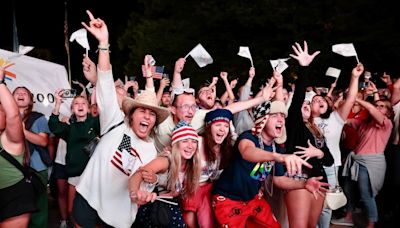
(41, 77)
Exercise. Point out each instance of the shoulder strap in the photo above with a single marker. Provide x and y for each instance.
(13, 161)
(33, 116)
(111, 128)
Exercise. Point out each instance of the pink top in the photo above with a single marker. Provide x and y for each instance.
(373, 137)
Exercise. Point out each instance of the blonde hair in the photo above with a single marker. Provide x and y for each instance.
(314, 129)
(388, 105)
(79, 96)
(192, 172)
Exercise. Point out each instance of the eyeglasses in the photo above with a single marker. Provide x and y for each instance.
(205, 90)
(187, 107)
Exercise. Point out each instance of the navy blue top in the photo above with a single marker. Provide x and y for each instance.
(241, 179)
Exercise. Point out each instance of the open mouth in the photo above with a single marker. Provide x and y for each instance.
(220, 136)
(279, 128)
(188, 152)
(143, 126)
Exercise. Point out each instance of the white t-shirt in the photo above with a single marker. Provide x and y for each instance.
(332, 130)
(104, 182)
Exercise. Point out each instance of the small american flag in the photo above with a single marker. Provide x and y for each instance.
(156, 71)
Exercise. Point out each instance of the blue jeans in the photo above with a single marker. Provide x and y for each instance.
(364, 187)
(326, 214)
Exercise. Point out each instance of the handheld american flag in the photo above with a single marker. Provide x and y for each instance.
(156, 71)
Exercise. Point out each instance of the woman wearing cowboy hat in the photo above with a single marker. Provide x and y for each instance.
(102, 193)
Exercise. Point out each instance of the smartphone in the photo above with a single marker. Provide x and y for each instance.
(362, 85)
(132, 78)
(68, 93)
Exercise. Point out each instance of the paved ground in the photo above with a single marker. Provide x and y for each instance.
(54, 215)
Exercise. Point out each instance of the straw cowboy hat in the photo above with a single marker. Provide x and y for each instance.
(147, 99)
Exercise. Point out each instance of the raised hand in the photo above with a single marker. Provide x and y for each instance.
(98, 28)
(252, 72)
(386, 78)
(302, 55)
(268, 91)
(358, 70)
(334, 84)
(179, 65)
(129, 84)
(89, 69)
(309, 152)
(214, 80)
(164, 82)
(224, 75)
(57, 96)
(371, 87)
(306, 110)
(147, 65)
(278, 77)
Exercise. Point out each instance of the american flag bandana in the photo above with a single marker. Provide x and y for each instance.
(259, 117)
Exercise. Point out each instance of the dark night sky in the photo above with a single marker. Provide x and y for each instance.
(41, 24)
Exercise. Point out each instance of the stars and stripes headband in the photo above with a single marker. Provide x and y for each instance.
(182, 131)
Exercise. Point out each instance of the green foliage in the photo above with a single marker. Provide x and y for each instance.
(170, 29)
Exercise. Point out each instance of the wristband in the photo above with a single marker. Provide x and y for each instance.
(104, 48)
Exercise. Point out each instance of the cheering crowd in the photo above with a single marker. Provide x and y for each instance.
(180, 157)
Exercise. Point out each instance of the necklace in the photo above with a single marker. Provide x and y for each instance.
(268, 182)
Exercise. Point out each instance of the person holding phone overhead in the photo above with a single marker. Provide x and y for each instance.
(80, 129)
